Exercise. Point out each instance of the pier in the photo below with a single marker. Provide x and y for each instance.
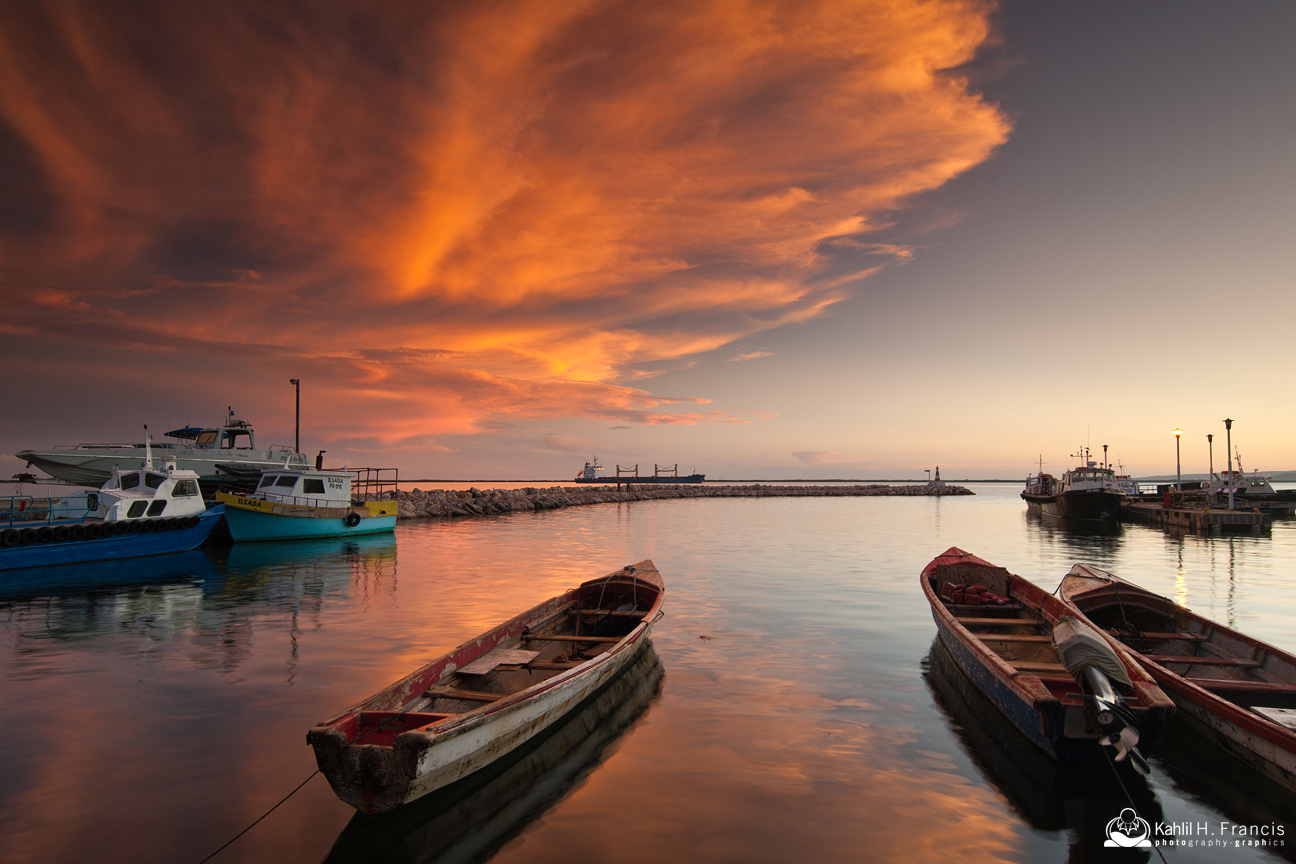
(1197, 520)
(419, 503)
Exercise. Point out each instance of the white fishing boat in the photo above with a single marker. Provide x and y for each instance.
(222, 453)
(292, 503)
(144, 511)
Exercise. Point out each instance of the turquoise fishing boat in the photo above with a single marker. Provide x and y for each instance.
(292, 503)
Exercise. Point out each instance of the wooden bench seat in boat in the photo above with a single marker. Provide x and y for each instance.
(553, 665)
(625, 613)
(543, 638)
(1203, 661)
(1231, 685)
(498, 657)
(1023, 666)
(1188, 637)
(456, 693)
(996, 622)
(1006, 637)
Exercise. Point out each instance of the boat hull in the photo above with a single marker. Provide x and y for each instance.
(1266, 746)
(1084, 504)
(252, 526)
(94, 466)
(119, 546)
(374, 775)
(1058, 726)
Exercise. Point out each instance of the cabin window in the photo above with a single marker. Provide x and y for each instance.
(206, 438)
(156, 508)
(129, 481)
(313, 486)
(266, 481)
(153, 481)
(136, 509)
(286, 481)
(185, 489)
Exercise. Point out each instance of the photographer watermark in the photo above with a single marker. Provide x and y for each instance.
(1131, 831)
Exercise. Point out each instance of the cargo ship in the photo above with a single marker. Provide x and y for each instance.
(593, 473)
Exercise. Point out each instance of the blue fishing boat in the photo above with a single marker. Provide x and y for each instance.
(146, 511)
(293, 503)
(1072, 691)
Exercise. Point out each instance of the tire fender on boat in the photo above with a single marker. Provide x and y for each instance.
(352, 520)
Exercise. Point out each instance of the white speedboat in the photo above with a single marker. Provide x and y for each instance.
(292, 503)
(224, 453)
(1242, 484)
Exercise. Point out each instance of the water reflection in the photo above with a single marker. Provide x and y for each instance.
(1244, 796)
(470, 820)
(69, 579)
(1048, 795)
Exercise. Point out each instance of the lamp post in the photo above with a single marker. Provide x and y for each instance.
(296, 382)
(1210, 448)
(1178, 476)
(1228, 430)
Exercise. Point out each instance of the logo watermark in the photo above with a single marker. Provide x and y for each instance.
(1130, 831)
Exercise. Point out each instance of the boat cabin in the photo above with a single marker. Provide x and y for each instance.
(234, 435)
(306, 487)
(1090, 478)
(147, 493)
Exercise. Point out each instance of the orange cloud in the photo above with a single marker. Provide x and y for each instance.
(514, 200)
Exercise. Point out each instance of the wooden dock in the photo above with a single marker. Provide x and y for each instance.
(1197, 520)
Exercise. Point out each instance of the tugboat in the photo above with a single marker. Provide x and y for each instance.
(225, 453)
(1089, 491)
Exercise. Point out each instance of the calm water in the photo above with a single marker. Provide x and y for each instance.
(791, 717)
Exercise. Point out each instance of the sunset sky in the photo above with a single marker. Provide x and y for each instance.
(759, 239)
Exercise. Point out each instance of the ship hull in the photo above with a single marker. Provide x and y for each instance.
(1079, 504)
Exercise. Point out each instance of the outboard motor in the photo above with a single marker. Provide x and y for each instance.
(1093, 663)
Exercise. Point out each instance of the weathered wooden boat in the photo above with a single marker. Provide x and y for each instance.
(1069, 689)
(490, 695)
(471, 819)
(1238, 691)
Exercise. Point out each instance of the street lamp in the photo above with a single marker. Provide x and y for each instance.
(1210, 447)
(1178, 476)
(296, 382)
(1228, 429)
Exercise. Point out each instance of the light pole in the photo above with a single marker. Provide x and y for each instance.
(1178, 476)
(1210, 448)
(1228, 430)
(296, 382)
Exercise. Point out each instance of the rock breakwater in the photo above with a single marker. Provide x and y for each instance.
(434, 503)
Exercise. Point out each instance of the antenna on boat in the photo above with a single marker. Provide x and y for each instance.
(148, 448)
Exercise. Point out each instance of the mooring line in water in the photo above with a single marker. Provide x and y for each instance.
(263, 815)
(1129, 798)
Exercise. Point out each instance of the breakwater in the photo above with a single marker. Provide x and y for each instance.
(419, 503)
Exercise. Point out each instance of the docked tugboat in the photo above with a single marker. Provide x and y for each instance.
(292, 503)
(1090, 491)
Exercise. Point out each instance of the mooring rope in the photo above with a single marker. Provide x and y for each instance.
(263, 815)
(1129, 797)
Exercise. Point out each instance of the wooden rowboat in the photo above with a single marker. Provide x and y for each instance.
(489, 695)
(1238, 691)
(1010, 652)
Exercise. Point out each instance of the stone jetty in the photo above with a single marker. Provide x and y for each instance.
(419, 503)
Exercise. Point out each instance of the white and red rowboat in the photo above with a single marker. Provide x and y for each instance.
(489, 695)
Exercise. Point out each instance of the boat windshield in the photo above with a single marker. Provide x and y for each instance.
(129, 481)
(152, 480)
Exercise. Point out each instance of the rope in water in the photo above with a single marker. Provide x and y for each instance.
(263, 815)
(1129, 797)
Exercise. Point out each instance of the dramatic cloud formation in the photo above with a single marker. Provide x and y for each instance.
(463, 212)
